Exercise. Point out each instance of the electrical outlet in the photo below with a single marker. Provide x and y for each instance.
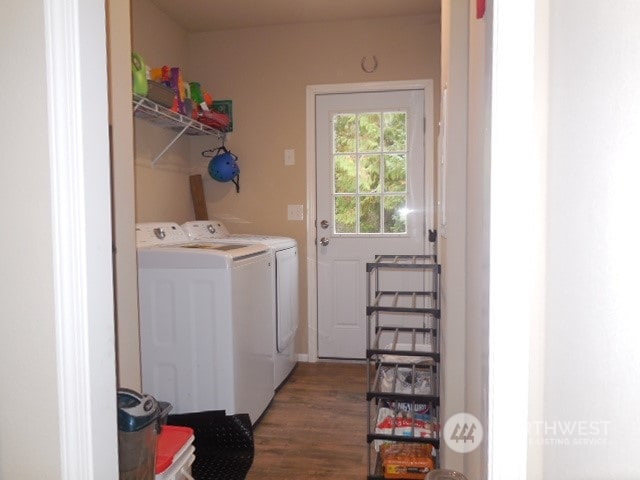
(295, 212)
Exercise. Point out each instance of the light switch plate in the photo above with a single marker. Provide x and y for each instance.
(289, 156)
(295, 212)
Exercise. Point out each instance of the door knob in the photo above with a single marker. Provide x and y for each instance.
(324, 224)
(324, 241)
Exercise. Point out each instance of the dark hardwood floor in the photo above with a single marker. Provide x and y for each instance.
(315, 427)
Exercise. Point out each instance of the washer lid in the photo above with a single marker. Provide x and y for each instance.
(215, 231)
(279, 243)
(231, 250)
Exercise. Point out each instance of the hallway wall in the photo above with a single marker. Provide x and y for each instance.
(591, 327)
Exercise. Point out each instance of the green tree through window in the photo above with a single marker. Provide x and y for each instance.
(370, 172)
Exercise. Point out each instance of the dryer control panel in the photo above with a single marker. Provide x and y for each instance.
(205, 230)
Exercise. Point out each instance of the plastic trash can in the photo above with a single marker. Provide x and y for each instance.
(138, 428)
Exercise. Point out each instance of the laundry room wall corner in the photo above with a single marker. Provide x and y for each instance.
(269, 109)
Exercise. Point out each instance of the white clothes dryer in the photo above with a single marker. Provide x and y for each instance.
(205, 312)
(286, 286)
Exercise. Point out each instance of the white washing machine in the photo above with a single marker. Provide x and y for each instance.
(286, 286)
(205, 312)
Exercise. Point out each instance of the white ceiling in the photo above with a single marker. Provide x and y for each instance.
(208, 15)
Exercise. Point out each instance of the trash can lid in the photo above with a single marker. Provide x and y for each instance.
(135, 410)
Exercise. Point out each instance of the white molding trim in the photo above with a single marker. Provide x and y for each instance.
(312, 92)
(79, 156)
(517, 209)
(69, 247)
(312, 278)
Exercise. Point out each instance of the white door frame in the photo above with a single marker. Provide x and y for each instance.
(312, 91)
(520, 62)
(78, 118)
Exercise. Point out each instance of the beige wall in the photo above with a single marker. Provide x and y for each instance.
(162, 190)
(121, 122)
(265, 71)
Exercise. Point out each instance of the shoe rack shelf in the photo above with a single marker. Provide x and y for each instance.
(403, 355)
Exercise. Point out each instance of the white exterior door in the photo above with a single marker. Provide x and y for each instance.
(370, 157)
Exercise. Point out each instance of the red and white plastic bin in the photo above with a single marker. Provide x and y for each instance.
(174, 453)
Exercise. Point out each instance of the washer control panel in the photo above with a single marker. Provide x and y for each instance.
(159, 233)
